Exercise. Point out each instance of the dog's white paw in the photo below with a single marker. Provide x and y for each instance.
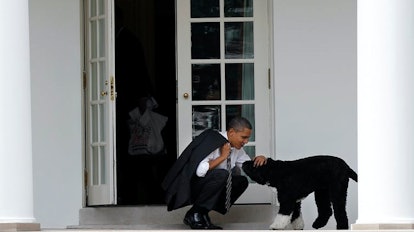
(280, 222)
(298, 223)
(288, 227)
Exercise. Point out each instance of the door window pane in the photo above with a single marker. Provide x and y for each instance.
(101, 82)
(94, 122)
(205, 9)
(205, 117)
(94, 80)
(101, 7)
(102, 165)
(206, 83)
(101, 40)
(238, 8)
(246, 111)
(205, 40)
(239, 40)
(94, 36)
(92, 8)
(102, 120)
(240, 81)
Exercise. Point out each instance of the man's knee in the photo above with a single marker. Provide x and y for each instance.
(218, 175)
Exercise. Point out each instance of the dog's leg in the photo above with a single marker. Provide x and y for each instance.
(339, 195)
(298, 223)
(297, 220)
(323, 204)
(284, 216)
(281, 222)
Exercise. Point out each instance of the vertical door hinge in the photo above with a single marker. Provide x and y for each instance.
(84, 79)
(85, 182)
(268, 79)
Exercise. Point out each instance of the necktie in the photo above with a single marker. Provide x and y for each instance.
(228, 184)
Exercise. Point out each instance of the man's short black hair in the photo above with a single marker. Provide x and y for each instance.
(239, 123)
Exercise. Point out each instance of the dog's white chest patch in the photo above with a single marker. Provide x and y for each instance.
(301, 199)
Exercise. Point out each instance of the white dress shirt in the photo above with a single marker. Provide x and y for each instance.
(237, 157)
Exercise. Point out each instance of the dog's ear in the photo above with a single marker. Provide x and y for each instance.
(247, 165)
(255, 173)
(266, 172)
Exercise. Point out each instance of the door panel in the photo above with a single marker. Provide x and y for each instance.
(222, 48)
(99, 103)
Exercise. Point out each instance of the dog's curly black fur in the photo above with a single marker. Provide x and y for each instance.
(326, 176)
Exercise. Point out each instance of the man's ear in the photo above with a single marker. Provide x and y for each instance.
(230, 133)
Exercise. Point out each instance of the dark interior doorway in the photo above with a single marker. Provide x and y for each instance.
(145, 82)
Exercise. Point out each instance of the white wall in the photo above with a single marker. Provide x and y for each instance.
(56, 111)
(315, 81)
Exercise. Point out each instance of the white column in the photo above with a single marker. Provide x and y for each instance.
(385, 114)
(16, 178)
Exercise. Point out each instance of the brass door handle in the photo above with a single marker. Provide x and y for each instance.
(112, 88)
(104, 93)
(185, 95)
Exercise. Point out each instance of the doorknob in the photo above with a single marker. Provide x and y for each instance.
(185, 95)
(104, 93)
(112, 88)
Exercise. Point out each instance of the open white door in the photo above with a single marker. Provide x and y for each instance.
(99, 103)
(223, 71)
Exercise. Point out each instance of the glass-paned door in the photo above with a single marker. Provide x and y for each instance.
(223, 52)
(99, 103)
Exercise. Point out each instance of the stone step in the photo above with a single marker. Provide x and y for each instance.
(158, 217)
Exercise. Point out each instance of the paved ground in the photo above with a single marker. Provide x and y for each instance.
(227, 226)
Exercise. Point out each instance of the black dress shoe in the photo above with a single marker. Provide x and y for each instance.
(195, 221)
(210, 225)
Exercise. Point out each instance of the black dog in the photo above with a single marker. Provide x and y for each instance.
(326, 176)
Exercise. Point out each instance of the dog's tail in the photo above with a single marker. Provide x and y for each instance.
(352, 174)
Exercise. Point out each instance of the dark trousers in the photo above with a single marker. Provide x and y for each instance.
(209, 192)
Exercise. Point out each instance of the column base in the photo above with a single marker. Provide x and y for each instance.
(383, 226)
(19, 227)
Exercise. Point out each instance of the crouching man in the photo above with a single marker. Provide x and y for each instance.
(199, 176)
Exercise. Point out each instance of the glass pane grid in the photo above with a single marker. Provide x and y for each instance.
(97, 142)
(223, 71)
(96, 113)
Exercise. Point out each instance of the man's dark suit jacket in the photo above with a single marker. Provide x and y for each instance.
(178, 179)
